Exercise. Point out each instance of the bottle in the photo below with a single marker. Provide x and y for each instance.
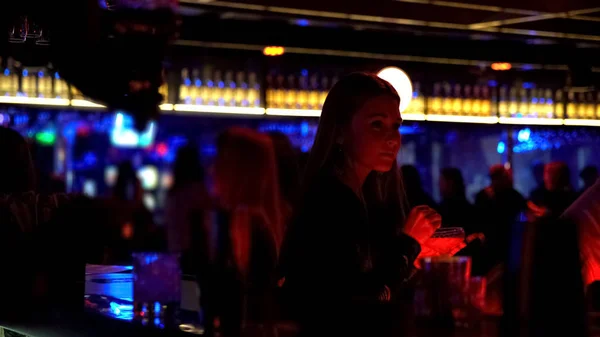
(548, 104)
(208, 86)
(313, 94)
(590, 108)
(581, 107)
(196, 88)
(184, 87)
(476, 107)
(303, 93)
(559, 106)
(280, 92)
(447, 100)
(44, 84)
(598, 106)
(28, 85)
(533, 103)
(503, 104)
(75, 93)
(417, 105)
(513, 105)
(218, 90)
(468, 101)
(457, 100)
(291, 93)
(229, 89)
(253, 91)
(240, 97)
(270, 92)
(163, 90)
(61, 90)
(486, 104)
(435, 103)
(324, 91)
(572, 106)
(524, 104)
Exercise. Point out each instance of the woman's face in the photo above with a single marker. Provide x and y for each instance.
(373, 136)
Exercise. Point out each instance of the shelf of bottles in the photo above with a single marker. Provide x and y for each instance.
(212, 91)
(207, 90)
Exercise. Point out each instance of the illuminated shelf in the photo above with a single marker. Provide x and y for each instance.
(462, 119)
(293, 112)
(530, 121)
(582, 122)
(34, 100)
(82, 103)
(413, 117)
(219, 109)
(166, 106)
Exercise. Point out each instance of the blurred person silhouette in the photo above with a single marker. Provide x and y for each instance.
(498, 206)
(249, 231)
(37, 232)
(558, 193)
(415, 194)
(186, 199)
(47, 182)
(289, 171)
(588, 175)
(133, 224)
(352, 243)
(455, 209)
(537, 172)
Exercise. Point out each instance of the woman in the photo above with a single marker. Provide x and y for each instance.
(249, 232)
(351, 245)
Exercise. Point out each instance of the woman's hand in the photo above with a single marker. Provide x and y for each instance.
(421, 223)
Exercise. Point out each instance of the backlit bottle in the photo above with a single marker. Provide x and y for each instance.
(324, 91)
(467, 108)
(270, 94)
(503, 104)
(229, 89)
(280, 92)
(590, 108)
(559, 106)
(44, 84)
(291, 93)
(476, 106)
(184, 87)
(598, 106)
(417, 105)
(28, 85)
(303, 93)
(208, 85)
(513, 105)
(447, 100)
(218, 90)
(240, 90)
(314, 97)
(61, 89)
(196, 88)
(533, 103)
(524, 103)
(571, 105)
(457, 100)
(581, 106)
(253, 90)
(548, 104)
(435, 102)
(486, 103)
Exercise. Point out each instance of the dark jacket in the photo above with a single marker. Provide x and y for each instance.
(343, 263)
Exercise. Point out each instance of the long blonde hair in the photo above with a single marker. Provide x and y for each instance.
(246, 176)
(344, 100)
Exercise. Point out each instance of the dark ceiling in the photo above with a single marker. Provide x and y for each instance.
(555, 32)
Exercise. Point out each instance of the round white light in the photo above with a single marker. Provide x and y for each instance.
(401, 82)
